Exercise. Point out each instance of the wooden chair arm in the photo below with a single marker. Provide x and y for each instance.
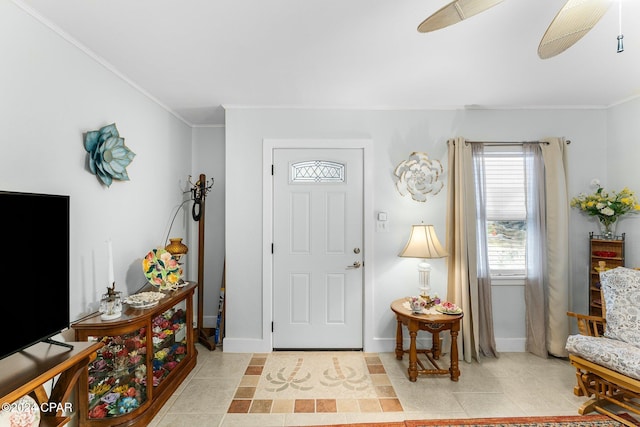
(592, 326)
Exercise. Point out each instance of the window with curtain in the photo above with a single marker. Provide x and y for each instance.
(521, 239)
(506, 211)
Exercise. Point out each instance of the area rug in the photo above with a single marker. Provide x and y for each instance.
(555, 421)
(315, 382)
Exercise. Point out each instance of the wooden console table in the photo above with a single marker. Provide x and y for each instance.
(25, 373)
(433, 323)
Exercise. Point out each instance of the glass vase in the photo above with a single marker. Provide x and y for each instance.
(608, 228)
(111, 305)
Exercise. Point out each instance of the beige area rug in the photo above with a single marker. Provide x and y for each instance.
(315, 382)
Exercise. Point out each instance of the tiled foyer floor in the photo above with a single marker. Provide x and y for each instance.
(516, 384)
(315, 382)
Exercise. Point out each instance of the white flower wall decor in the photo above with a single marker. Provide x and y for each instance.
(419, 176)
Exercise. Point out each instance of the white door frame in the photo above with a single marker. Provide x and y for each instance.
(268, 145)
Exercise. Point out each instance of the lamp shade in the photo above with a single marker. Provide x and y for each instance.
(176, 247)
(423, 243)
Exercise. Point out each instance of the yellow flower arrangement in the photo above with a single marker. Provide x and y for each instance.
(607, 206)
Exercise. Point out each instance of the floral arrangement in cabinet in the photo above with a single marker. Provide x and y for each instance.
(117, 377)
(169, 342)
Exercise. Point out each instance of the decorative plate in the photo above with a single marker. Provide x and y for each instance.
(144, 299)
(448, 308)
(161, 269)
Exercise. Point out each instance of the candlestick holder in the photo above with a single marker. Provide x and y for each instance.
(111, 304)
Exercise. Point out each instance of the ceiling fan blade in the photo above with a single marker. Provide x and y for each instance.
(573, 21)
(454, 12)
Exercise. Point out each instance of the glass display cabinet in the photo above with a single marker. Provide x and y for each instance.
(147, 352)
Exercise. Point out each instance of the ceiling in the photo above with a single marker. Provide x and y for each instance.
(196, 56)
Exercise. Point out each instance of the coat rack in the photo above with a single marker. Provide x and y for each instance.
(199, 192)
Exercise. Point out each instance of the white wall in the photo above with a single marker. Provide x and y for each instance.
(395, 135)
(208, 159)
(622, 160)
(52, 93)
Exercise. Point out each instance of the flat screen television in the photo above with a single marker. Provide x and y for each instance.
(35, 268)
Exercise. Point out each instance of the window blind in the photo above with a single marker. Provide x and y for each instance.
(506, 212)
(504, 182)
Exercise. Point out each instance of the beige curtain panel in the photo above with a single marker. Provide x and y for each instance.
(547, 287)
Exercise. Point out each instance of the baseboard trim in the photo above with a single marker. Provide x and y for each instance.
(379, 345)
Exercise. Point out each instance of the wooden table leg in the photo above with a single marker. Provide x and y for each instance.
(399, 346)
(453, 369)
(413, 354)
(435, 345)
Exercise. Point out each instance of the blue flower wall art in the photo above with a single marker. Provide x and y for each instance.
(108, 156)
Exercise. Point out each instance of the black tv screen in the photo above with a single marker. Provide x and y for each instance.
(35, 268)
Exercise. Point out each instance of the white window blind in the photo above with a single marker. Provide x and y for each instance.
(504, 181)
(506, 212)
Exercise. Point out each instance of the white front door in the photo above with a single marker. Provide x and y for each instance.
(317, 248)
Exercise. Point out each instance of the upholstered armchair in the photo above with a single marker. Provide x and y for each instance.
(606, 352)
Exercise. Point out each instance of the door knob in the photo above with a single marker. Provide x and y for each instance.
(356, 264)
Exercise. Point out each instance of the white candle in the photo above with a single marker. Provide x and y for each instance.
(110, 267)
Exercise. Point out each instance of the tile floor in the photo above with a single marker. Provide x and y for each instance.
(516, 384)
(315, 382)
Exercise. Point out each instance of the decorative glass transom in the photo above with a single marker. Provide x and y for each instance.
(317, 171)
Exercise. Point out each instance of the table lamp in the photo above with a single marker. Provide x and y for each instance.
(423, 243)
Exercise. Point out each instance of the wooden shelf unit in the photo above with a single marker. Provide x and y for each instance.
(141, 363)
(599, 244)
(26, 372)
